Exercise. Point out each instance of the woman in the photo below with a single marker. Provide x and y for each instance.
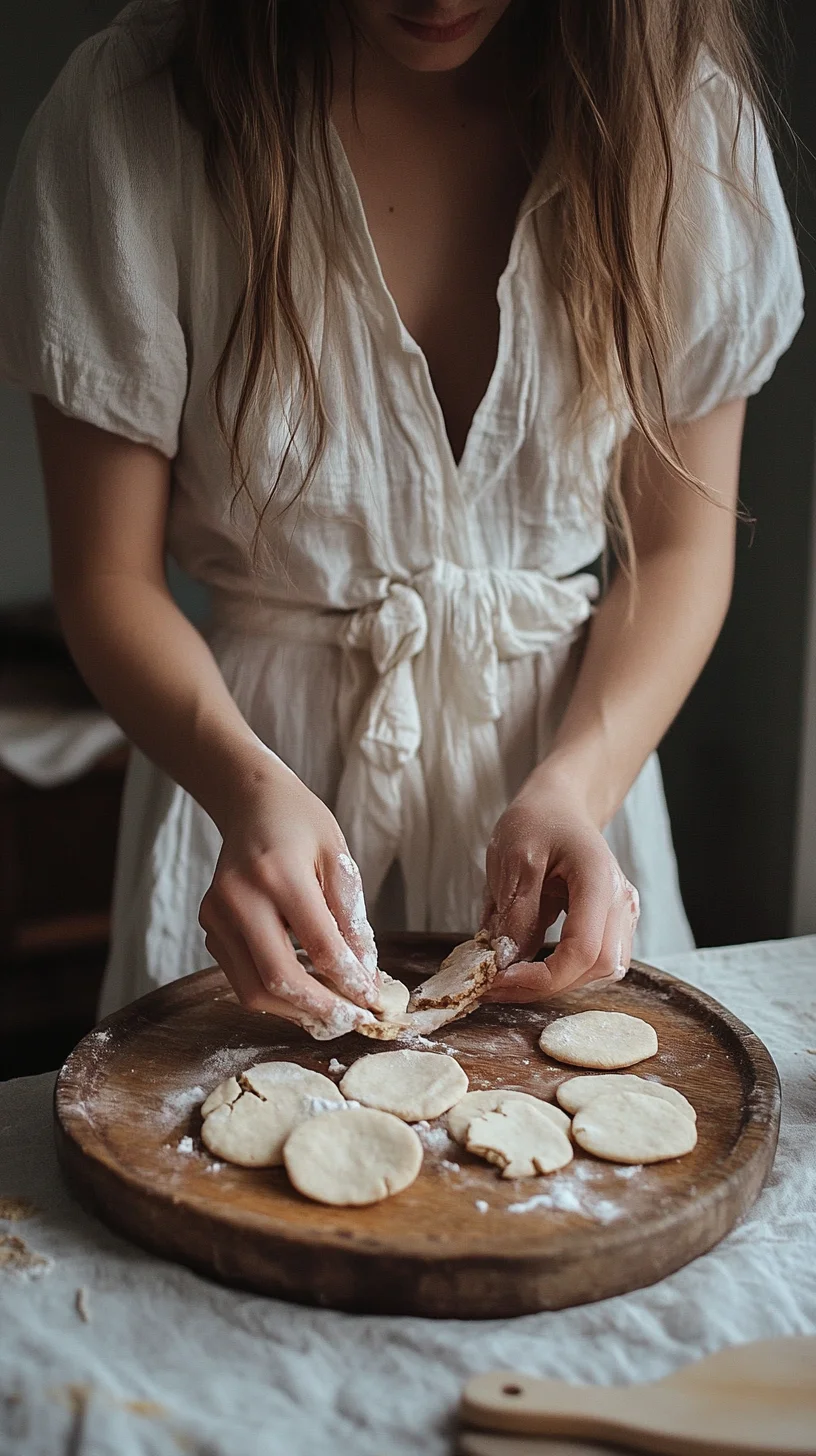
(381, 317)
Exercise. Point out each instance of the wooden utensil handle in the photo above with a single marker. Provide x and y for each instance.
(660, 1420)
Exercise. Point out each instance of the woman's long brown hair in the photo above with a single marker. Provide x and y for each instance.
(601, 85)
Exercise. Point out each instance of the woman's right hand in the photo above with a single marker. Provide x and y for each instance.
(284, 865)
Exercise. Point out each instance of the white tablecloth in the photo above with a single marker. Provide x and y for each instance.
(45, 745)
(170, 1363)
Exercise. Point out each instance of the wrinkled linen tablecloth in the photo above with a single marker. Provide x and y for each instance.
(170, 1363)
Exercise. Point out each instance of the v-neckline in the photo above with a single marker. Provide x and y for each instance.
(529, 202)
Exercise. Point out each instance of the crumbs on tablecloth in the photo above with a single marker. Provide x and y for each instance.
(17, 1258)
(336, 1068)
(14, 1210)
(81, 1305)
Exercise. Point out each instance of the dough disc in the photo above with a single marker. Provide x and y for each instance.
(604, 1039)
(411, 1085)
(476, 1104)
(520, 1140)
(625, 1127)
(358, 1158)
(247, 1120)
(226, 1092)
(578, 1092)
(252, 1131)
(269, 1074)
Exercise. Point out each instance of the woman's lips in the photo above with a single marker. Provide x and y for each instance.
(439, 34)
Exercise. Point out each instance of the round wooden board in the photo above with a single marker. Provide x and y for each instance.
(128, 1123)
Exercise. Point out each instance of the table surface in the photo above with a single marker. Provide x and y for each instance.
(166, 1362)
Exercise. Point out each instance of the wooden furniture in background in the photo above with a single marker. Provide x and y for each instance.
(57, 852)
(57, 849)
(128, 1123)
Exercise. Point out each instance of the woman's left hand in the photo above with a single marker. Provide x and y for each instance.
(547, 855)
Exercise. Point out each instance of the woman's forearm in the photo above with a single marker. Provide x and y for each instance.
(640, 664)
(108, 500)
(636, 673)
(156, 676)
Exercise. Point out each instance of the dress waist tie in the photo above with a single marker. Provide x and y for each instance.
(423, 780)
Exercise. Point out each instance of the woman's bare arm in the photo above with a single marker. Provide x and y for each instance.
(284, 857)
(548, 853)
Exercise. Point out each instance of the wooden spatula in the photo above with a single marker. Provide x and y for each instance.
(752, 1400)
(480, 1443)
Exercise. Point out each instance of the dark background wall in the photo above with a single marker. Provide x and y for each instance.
(732, 760)
(35, 42)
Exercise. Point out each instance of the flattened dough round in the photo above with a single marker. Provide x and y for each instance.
(476, 1104)
(271, 1074)
(625, 1127)
(252, 1130)
(268, 1074)
(228, 1092)
(247, 1121)
(578, 1092)
(411, 1085)
(604, 1039)
(358, 1158)
(520, 1140)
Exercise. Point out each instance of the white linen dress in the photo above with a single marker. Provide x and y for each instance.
(409, 635)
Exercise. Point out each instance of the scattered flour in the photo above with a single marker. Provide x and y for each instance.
(326, 1104)
(413, 1039)
(563, 1197)
(178, 1104)
(506, 950)
(354, 909)
(481, 1206)
(451, 1167)
(336, 1067)
(435, 1139)
(186, 1145)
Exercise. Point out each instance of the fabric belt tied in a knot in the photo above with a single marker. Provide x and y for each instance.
(423, 780)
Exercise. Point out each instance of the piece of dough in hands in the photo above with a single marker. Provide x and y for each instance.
(476, 1104)
(359, 1158)
(520, 1140)
(456, 988)
(578, 1092)
(393, 999)
(625, 1127)
(603, 1039)
(415, 1086)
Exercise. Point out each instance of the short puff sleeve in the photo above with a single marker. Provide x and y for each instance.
(89, 268)
(732, 267)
